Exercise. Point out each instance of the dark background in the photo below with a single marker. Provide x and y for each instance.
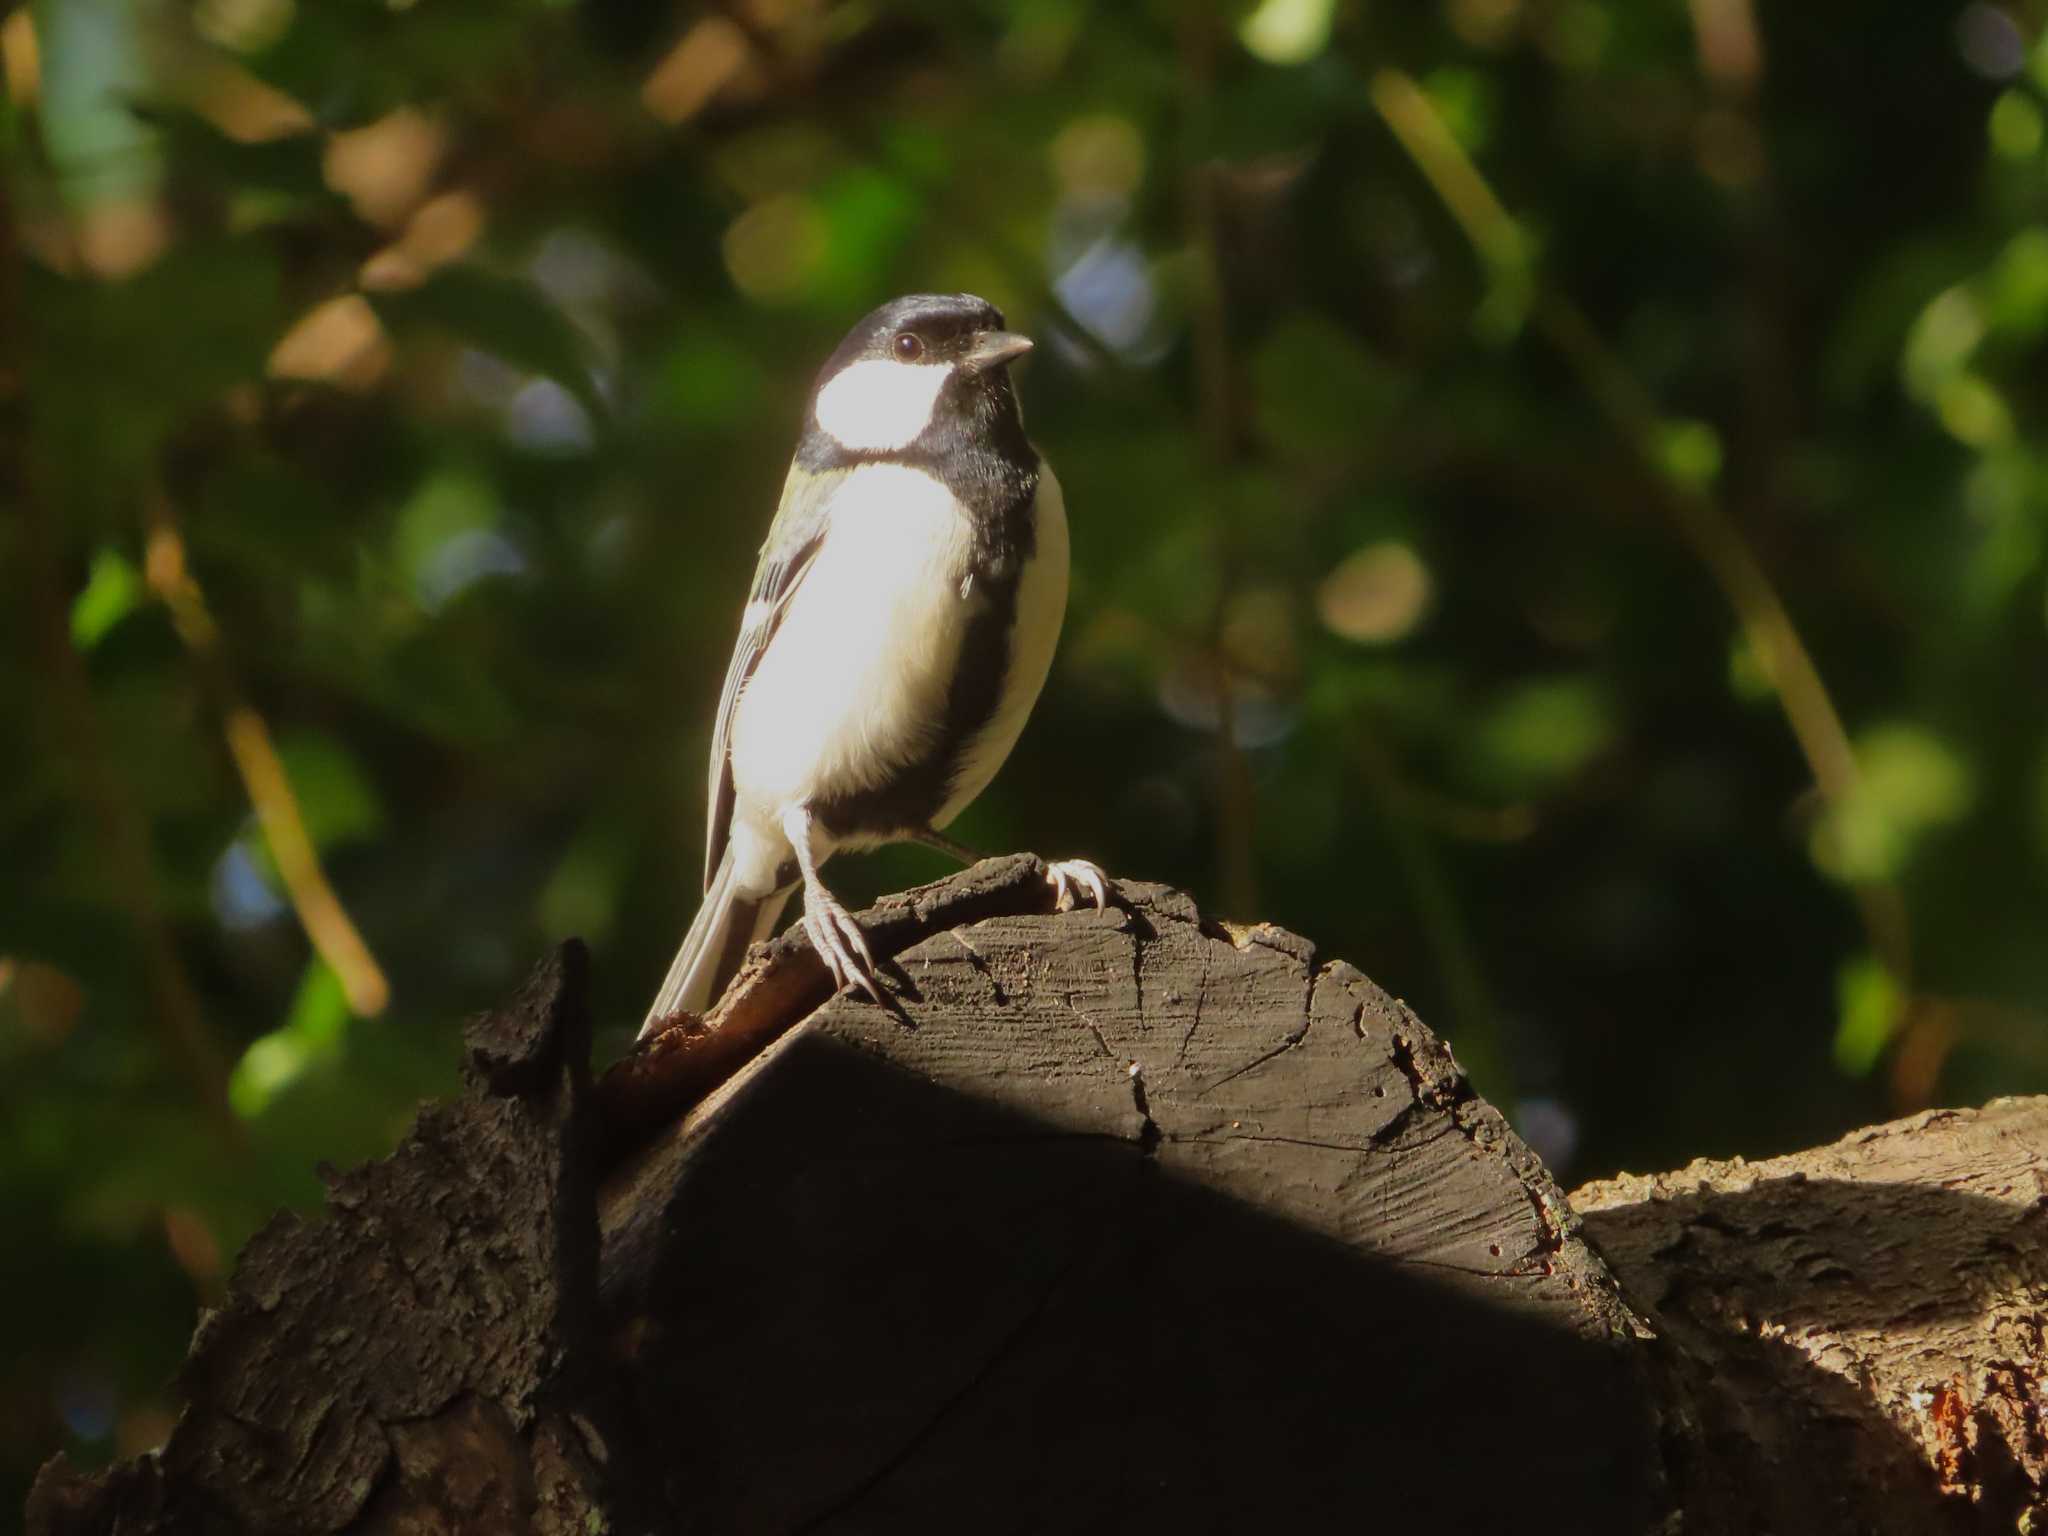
(1557, 511)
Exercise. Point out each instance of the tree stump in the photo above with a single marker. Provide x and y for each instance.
(1117, 1221)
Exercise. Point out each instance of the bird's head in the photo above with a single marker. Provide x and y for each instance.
(921, 364)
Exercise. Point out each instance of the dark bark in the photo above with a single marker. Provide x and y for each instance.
(425, 1359)
(1860, 1324)
(1120, 1221)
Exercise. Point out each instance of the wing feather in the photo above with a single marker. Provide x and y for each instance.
(793, 540)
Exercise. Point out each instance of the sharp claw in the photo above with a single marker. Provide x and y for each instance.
(1066, 873)
(844, 949)
(861, 959)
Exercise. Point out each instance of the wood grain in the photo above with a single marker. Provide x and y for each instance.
(1113, 1222)
(1124, 1221)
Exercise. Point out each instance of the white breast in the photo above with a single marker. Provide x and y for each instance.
(853, 685)
(1041, 610)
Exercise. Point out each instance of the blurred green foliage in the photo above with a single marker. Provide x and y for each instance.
(395, 392)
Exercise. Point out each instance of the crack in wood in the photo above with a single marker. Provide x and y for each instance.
(1353, 1148)
(1260, 1060)
(1137, 974)
(1149, 1134)
(1201, 997)
(1022, 1139)
(980, 963)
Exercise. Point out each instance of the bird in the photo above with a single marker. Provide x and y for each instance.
(902, 621)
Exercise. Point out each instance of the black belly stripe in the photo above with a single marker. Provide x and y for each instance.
(915, 794)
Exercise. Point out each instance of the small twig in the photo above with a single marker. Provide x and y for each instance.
(320, 912)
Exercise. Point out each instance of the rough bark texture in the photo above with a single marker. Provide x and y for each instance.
(1862, 1323)
(1120, 1221)
(421, 1361)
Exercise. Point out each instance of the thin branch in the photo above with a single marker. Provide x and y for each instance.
(320, 912)
(1702, 523)
(1422, 132)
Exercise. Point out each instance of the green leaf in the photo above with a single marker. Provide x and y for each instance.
(2016, 127)
(1542, 732)
(867, 218)
(336, 800)
(455, 502)
(112, 591)
(1464, 99)
(1867, 1012)
(582, 895)
(1909, 783)
(1287, 31)
(1942, 338)
(1689, 452)
(312, 1031)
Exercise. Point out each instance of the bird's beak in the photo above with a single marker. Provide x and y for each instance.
(992, 349)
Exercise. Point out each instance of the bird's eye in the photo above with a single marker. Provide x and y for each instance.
(908, 348)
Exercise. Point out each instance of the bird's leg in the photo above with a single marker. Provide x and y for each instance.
(1062, 874)
(834, 935)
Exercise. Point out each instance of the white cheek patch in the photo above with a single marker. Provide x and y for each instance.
(876, 406)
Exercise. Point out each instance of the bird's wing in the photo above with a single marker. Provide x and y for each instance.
(793, 539)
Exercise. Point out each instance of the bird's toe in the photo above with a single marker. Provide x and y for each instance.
(844, 949)
(1065, 874)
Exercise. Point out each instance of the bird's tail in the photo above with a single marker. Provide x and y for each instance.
(715, 946)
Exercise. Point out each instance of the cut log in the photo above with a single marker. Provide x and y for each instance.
(1124, 1221)
(1861, 1324)
(1117, 1221)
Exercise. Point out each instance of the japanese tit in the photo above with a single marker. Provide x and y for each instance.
(902, 622)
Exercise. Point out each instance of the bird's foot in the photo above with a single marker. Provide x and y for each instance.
(1064, 874)
(840, 944)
